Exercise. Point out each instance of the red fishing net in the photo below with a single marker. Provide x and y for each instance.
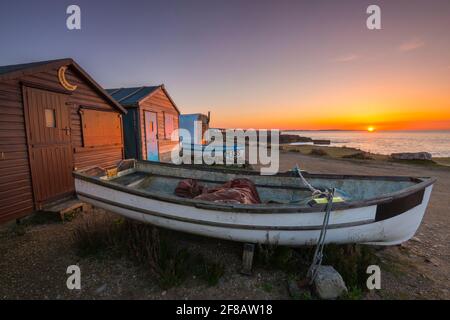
(234, 191)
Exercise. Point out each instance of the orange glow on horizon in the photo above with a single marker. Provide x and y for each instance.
(257, 122)
(414, 119)
(397, 102)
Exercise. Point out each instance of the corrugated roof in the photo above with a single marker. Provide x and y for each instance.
(131, 96)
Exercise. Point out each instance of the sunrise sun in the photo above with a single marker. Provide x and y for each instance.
(371, 129)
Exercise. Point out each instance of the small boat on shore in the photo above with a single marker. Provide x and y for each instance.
(379, 210)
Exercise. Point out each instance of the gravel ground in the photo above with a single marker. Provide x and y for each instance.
(33, 263)
(33, 266)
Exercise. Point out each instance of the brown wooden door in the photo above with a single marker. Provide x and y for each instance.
(50, 144)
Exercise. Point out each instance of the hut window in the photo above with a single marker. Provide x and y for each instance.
(168, 125)
(100, 128)
(50, 118)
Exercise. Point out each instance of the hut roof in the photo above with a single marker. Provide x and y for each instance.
(130, 97)
(18, 67)
(19, 70)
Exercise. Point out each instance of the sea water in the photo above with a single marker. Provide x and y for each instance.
(386, 142)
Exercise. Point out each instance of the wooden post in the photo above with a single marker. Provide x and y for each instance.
(247, 258)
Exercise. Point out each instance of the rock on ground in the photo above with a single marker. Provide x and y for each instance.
(412, 156)
(328, 283)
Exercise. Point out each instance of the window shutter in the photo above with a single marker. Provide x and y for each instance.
(100, 128)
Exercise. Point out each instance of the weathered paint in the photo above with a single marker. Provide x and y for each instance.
(351, 225)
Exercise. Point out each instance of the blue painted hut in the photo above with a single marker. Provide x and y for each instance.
(152, 116)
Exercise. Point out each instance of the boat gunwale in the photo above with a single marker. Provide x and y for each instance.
(421, 184)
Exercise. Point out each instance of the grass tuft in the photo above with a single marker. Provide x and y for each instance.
(172, 263)
(210, 272)
(267, 287)
(353, 293)
(351, 261)
(98, 235)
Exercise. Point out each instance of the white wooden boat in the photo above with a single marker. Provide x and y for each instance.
(381, 210)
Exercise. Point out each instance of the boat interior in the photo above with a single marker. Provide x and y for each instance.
(284, 188)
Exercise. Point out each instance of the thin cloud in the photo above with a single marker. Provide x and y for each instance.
(347, 58)
(411, 45)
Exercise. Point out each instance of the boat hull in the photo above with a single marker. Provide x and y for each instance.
(350, 225)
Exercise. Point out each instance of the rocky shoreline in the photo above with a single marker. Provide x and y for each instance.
(293, 138)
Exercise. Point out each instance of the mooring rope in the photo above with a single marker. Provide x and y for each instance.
(318, 252)
(315, 192)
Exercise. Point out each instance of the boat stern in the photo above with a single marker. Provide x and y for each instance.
(400, 219)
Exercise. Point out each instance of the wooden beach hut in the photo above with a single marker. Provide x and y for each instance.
(151, 118)
(54, 118)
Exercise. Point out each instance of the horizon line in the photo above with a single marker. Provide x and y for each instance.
(363, 130)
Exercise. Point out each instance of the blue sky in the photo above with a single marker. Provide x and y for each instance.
(286, 64)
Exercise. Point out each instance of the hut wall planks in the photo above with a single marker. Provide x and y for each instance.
(158, 102)
(17, 188)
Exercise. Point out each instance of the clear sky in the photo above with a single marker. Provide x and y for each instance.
(256, 64)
